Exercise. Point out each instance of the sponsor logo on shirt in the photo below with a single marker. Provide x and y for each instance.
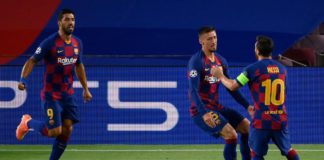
(66, 61)
(211, 79)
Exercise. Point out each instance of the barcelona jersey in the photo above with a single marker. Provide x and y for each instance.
(203, 86)
(60, 58)
(267, 82)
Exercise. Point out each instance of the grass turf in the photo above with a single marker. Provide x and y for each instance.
(144, 152)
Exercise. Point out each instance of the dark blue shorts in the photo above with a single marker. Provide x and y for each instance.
(225, 115)
(232, 116)
(58, 110)
(259, 139)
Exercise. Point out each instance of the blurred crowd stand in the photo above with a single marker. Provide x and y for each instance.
(308, 51)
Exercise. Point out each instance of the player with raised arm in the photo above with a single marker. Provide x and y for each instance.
(206, 110)
(267, 82)
(62, 55)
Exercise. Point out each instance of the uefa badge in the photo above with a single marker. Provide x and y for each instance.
(193, 73)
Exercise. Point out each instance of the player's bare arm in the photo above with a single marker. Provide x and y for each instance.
(229, 83)
(80, 72)
(27, 69)
(232, 85)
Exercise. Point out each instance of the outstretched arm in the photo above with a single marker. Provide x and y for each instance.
(231, 85)
(80, 72)
(26, 70)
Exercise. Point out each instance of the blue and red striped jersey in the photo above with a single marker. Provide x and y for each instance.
(267, 82)
(60, 58)
(203, 87)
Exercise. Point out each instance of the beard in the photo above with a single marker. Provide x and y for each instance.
(68, 31)
(212, 50)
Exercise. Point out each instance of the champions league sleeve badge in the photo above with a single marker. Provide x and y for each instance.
(193, 73)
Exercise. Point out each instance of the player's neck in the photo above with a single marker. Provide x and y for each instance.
(261, 57)
(210, 55)
(66, 38)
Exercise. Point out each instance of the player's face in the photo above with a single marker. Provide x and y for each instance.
(67, 23)
(209, 41)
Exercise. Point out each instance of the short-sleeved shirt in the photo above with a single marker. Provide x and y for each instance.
(267, 82)
(60, 59)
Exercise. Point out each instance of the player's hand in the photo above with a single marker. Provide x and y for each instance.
(87, 95)
(217, 71)
(21, 86)
(251, 110)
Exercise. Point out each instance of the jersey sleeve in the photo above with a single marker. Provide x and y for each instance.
(242, 79)
(79, 61)
(245, 76)
(194, 73)
(42, 50)
(237, 95)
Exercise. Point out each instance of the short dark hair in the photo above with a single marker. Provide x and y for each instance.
(205, 29)
(64, 11)
(265, 45)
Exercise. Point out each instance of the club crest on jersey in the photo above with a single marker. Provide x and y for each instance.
(193, 73)
(76, 51)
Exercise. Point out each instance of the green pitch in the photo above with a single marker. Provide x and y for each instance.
(143, 152)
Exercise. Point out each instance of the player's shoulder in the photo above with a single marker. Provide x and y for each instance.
(195, 60)
(196, 57)
(280, 65)
(47, 43)
(51, 38)
(266, 63)
(76, 41)
(76, 38)
(253, 65)
(219, 56)
(273, 62)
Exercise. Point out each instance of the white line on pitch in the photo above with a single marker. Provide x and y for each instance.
(143, 150)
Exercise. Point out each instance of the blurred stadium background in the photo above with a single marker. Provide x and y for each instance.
(135, 52)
